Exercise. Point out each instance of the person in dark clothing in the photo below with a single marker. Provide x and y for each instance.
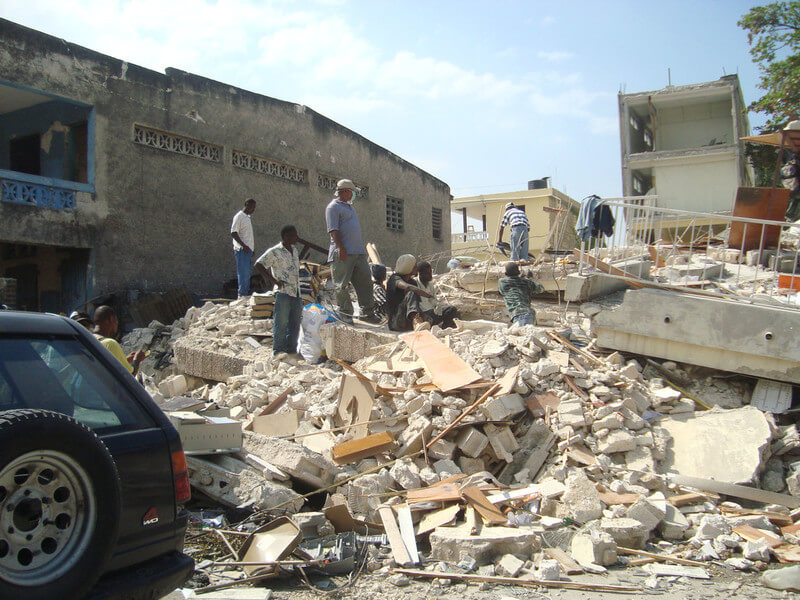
(434, 311)
(403, 296)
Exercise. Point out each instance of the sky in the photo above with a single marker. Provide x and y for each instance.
(483, 95)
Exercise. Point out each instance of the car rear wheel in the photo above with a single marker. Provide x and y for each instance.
(59, 506)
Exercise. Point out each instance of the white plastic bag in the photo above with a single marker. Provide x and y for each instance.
(310, 341)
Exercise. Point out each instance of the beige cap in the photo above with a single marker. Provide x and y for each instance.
(405, 264)
(345, 184)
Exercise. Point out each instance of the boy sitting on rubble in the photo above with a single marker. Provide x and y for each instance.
(517, 292)
(403, 296)
(433, 310)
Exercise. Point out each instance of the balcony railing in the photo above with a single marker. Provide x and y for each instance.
(470, 236)
(21, 190)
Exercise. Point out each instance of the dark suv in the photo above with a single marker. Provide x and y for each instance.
(92, 474)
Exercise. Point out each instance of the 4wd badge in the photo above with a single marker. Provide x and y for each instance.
(150, 517)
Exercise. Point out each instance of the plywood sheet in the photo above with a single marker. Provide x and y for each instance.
(488, 511)
(356, 397)
(354, 450)
(448, 371)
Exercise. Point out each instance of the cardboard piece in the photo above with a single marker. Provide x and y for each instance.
(448, 371)
(355, 450)
(269, 543)
(356, 397)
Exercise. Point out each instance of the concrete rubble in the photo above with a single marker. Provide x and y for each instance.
(576, 452)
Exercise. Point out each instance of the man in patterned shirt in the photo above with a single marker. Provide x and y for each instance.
(520, 231)
(280, 265)
(517, 292)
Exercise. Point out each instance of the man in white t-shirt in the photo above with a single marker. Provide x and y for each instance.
(243, 244)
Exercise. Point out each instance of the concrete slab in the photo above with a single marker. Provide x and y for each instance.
(723, 334)
(724, 445)
(453, 544)
(596, 285)
(193, 359)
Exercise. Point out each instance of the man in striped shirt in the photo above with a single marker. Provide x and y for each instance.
(520, 231)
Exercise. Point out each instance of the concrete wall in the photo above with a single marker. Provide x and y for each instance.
(694, 125)
(158, 219)
(708, 186)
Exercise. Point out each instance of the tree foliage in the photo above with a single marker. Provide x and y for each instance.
(773, 32)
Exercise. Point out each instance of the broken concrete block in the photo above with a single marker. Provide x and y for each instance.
(640, 459)
(595, 547)
(503, 408)
(626, 532)
(442, 449)
(446, 467)
(570, 413)
(544, 367)
(618, 440)
(471, 465)
(406, 474)
(674, 524)
(502, 441)
(636, 400)
(581, 498)
(549, 570)
(177, 385)
(413, 436)
(665, 395)
(291, 458)
(756, 550)
(696, 450)
(647, 513)
(472, 442)
(712, 526)
(453, 544)
(509, 566)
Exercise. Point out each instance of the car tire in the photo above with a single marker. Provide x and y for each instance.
(59, 506)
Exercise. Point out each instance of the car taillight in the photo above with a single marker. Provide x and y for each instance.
(180, 477)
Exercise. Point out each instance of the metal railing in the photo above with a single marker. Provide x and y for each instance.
(470, 236)
(715, 253)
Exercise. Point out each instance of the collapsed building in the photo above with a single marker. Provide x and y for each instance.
(107, 168)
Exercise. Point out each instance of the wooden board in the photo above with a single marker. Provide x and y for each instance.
(399, 551)
(751, 534)
(448, 371)
(437, 518)
(565, 561)
(439, 493)
(612, 498)
(791, 529)
(355, 450)
(407, 531)
(686, 499)
(538, 403)
(508, 381)
(488, 511)
(356, 397)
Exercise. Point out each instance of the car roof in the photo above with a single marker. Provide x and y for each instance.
(20, 322)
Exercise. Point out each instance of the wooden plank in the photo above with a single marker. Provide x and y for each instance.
(352, 451)
(565, 561)
(751, 534)
(738, 491)
(661, 557)
(686, 499)
(581, 455)
(407, 531)
(448, 371)
(437, 518)
(339, 515)
(439, 493)
(787, 553)
(508, 381)
(277, 403)
(580, 393)
(779, 519)
(464, 413)
(539, 403)
(488, 511)
(791, 529)
(398, 546)
(570, 585)
(611, 498)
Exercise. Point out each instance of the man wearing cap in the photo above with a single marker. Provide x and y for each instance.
(348, 256)
(243, 244)
(520, 231)
(402, 306)
(82, 318)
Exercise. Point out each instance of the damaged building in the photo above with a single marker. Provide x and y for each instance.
(115, 177)
(682, 144)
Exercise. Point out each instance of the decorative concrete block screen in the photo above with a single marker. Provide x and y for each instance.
(179, 144)
(267, 166)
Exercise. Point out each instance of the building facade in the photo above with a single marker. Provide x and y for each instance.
(114, 177)
(476, 221)
(682, 143)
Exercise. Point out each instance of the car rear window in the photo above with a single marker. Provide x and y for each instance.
(62, 375)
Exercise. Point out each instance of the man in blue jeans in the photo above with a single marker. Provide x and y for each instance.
(280, 265)
(516, 218)
(243, 244)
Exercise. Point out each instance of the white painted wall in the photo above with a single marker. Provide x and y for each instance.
(704, 187)
(694, 125)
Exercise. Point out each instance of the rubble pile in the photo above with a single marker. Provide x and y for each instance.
(515, 452)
